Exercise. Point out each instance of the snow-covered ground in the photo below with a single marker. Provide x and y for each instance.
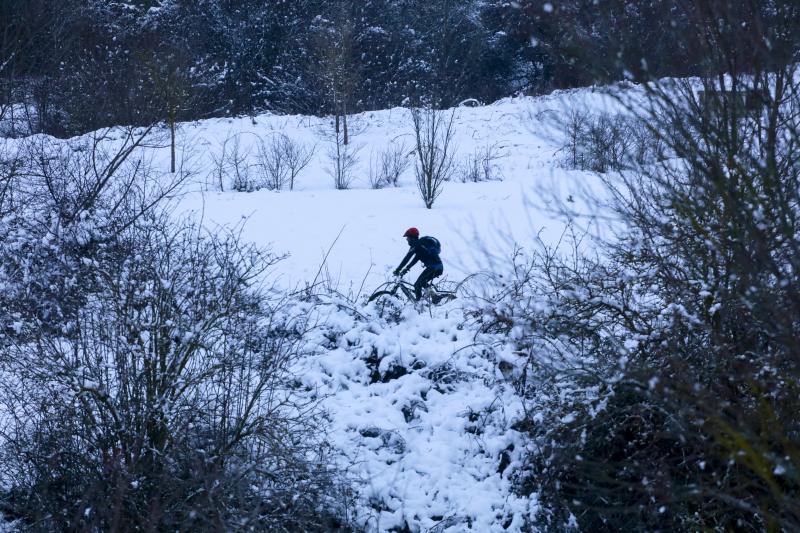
(361, 229)
(421, 417)
(420, 413)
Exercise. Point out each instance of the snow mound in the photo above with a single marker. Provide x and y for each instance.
(421, 415)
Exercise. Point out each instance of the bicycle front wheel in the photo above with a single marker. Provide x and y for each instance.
(378, 294)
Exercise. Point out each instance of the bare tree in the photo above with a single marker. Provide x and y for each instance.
(11, 46)
(342, 160)
(433, 137)
(336, 66)
(172, 90)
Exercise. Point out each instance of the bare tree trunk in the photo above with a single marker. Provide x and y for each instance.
(172, 143)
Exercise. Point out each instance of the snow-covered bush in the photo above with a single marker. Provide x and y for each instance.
(386, 167)
(650, 382)
(551, 323)
(481, 165)
(661, 371)
(144, 365)
(280, 161)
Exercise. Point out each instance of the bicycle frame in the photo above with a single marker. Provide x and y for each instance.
(408, 290)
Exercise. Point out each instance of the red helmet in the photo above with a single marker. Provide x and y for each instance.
(411, 232)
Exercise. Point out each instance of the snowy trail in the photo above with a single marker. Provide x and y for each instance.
(422, 417)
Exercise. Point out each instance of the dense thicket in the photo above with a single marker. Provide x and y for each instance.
(145, 376)
(662, 370)
(82, 64)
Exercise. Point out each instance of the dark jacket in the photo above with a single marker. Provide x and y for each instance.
(422, 250)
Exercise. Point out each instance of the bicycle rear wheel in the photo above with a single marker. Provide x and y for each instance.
(442, 297)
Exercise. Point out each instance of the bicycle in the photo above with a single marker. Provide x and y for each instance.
(432, 293)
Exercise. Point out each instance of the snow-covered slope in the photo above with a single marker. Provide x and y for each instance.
(419, 411)
(369, 223)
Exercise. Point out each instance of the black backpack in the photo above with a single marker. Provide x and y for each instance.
(431, 245)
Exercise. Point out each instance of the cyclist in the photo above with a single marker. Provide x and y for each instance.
(425, 249)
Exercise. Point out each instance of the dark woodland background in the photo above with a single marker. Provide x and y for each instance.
(80, 64)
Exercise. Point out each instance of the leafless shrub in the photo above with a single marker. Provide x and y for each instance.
(280, 160)
(433, 143)
(297, 157)
(388, 165)
(574, 134)
(271, 164)
(376, 178)
(604, 142)
(342, 158)
(481, 165)
(646, 147)
(231, 165)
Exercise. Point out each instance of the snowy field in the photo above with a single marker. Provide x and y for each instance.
(361, 229)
